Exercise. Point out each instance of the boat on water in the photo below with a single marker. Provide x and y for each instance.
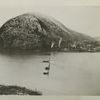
(47, 68)
(46, 61)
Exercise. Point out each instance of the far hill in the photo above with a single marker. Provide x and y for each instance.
(38, 32)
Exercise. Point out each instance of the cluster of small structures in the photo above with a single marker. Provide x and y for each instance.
(83, 46)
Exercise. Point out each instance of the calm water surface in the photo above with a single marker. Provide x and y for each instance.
(70, 73)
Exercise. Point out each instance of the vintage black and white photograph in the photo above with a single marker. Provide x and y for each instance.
(49, 50)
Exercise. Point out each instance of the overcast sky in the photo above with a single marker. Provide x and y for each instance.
(84, 19)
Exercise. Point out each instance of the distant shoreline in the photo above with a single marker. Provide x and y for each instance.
(46, 52)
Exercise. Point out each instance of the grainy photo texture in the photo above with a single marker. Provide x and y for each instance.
(50, 50)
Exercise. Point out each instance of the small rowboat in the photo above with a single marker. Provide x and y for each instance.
(46, 73)
(47, 68)
(46, 61)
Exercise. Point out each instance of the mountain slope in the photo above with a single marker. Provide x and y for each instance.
(97, 38)
(39, 32)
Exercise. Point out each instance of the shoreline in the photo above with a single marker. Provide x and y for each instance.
(17, 90)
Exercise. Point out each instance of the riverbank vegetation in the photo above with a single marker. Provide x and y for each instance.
(17, 90)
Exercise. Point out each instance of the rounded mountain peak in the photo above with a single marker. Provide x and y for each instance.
(38, 32)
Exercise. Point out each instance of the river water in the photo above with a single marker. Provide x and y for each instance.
(70, 73)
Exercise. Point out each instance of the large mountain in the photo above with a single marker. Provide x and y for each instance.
(39, 32)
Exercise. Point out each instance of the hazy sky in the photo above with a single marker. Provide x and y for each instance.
(84, 19)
